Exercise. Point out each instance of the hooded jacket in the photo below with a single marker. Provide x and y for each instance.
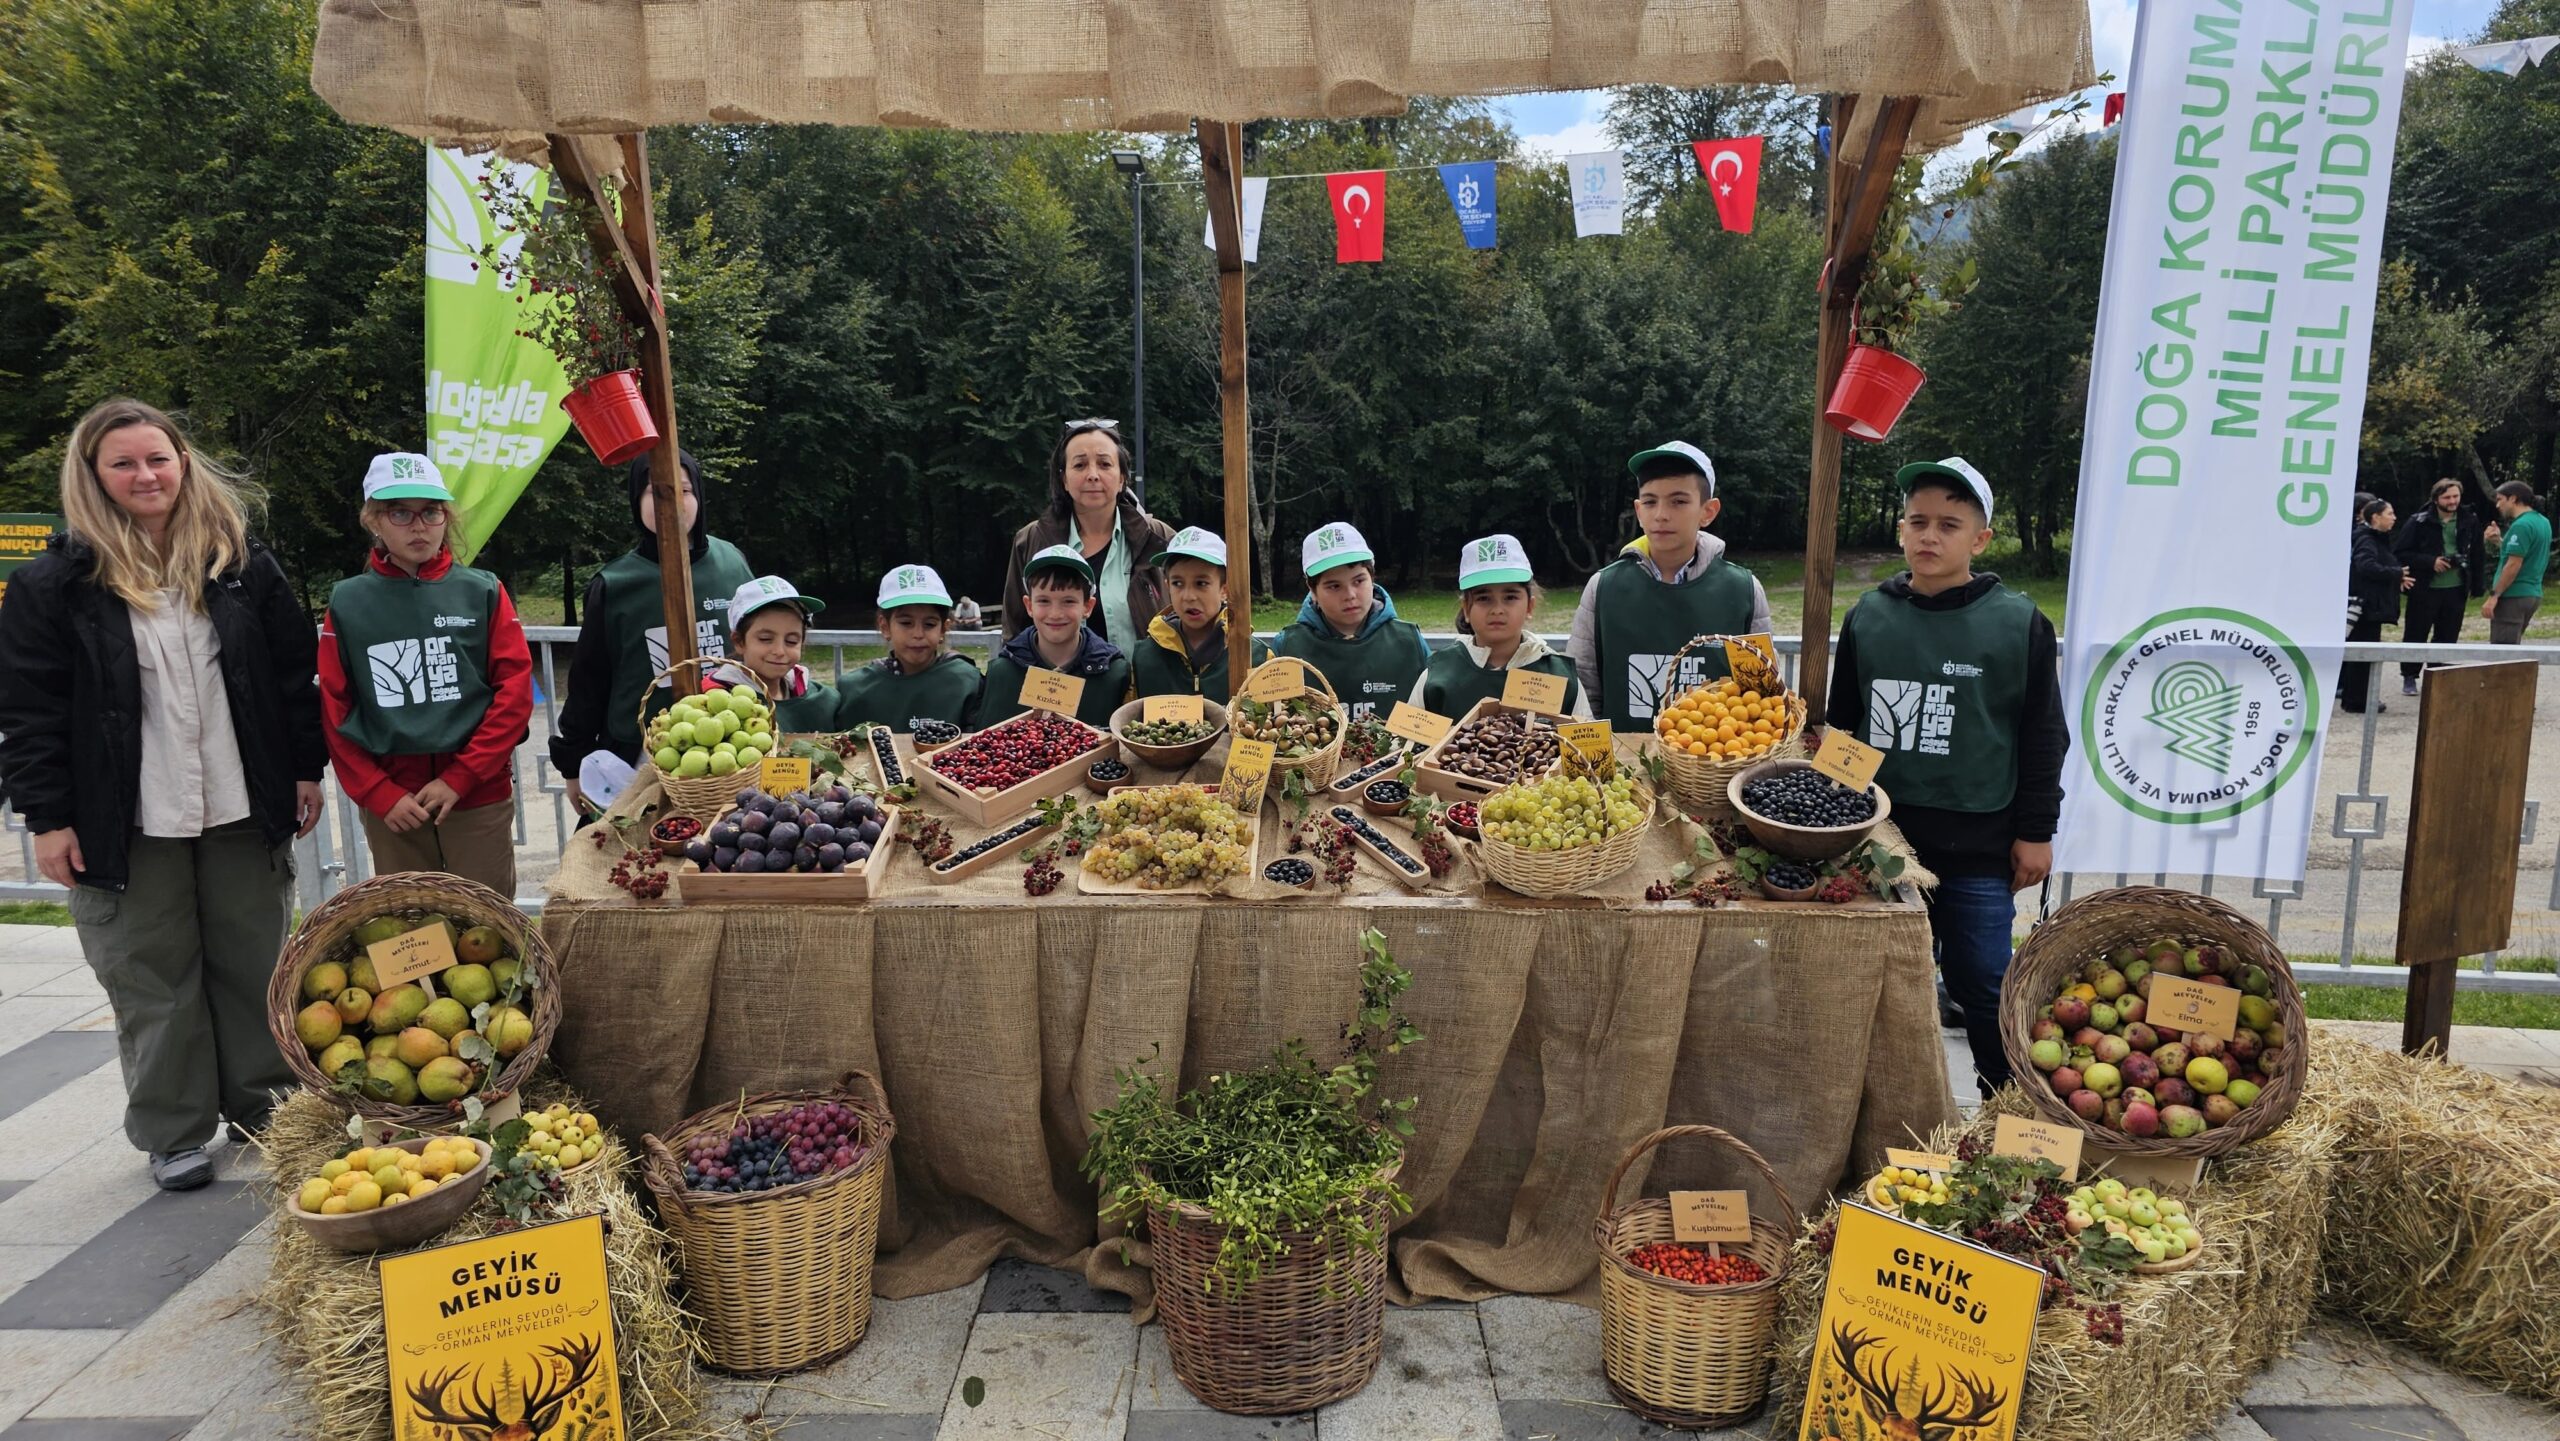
(1104, 670)
(1369, 671)
(1527, 656)
(1166, 665)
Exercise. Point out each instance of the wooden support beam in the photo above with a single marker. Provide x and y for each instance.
(1221, 168)
(1857, 198)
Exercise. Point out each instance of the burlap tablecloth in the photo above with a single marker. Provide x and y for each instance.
(1558, 1033)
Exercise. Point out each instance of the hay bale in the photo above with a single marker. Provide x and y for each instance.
(2450, 1187)
(2192, 1339)
(324, 1307)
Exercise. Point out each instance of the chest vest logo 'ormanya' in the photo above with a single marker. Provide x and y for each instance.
(414, 672)
(1910, 715)
(1650, 684)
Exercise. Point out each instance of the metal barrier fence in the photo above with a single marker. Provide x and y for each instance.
(334, 854)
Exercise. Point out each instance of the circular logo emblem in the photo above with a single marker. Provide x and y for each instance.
(2198, 715)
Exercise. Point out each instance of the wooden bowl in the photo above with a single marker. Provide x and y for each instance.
(1385, 808)
(396, 1228)
(1169, 758)
(1802, 843)
(1105, 785)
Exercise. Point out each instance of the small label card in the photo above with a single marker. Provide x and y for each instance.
(411, 954)
(1533, 690)
(1280, 678)
(1051, 690)
(2176, 1173)
(1847, 759)
(2178, 1004)
(1423, 728)
(1248, 772)
(2038, 1141)
(1722, 1216)
(781, 775)
(1180, 709)
(1591, 738)
(1919, 1160)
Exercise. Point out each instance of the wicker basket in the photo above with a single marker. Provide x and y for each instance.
(1693, 1357)
(780, 1279)
(328, 933)
(1699, 784)
(705, 798)
(1298, 1336)
(2095, 924)
(1320, 767)
(1549, 874)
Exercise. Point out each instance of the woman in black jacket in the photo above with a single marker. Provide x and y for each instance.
(2375, 579)
(161, 734)
(2444, 545)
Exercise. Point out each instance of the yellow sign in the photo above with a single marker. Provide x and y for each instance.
(2178, 1004)
(507, 1336)
(1423, 728)
(1919, 1160)
(1248, 772)
(1753, 660)
(781, 775)
(1053, 691)
(1533, 690)
(2039, 1141)
(1279, 678)
(411, 954)
(1723, 1216)
(22, 539)
(1591, 738)
(1179, 709)
(1847, 759)
(1922, 1335)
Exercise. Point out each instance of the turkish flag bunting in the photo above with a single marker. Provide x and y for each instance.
(1359, 215)
(1733, 173)
(2115, 107)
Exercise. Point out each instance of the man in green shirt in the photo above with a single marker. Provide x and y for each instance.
(2515, 593)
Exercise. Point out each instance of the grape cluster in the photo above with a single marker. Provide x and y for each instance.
(765, 1153)
(1561, 812)
(1804, 797)
(1042, 875)
(1168, 836)
(1790, 876)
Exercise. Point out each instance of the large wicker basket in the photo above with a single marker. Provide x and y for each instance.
(328, 934)
(2095, 924)
(1305, 1332)
(1319, 767)
(705, 798)
(780, 1280)
(1694, 1357)
(1549, 874)
(1699, 784)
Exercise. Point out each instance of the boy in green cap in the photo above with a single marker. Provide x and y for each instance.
(917, 679)
(1348, 629)
(1642, 607)
(1058, 590)
(1185, 649)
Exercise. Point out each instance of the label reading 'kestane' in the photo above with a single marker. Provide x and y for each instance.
(1533, 690)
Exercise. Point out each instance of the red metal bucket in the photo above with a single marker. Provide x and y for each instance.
(1874, 387)
(612, 417)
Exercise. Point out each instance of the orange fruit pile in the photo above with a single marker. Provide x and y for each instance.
(1723, 721)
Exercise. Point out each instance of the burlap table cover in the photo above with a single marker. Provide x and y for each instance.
(1559, 1033)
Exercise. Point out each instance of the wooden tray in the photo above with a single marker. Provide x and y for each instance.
(1235, 885)
(991, 812)
(1385, 767)
(889, 767)
(851, 886)
(1417, 879)
(1010, 849)
(1450, 785)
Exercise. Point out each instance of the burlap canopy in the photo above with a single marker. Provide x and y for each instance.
(507, 71)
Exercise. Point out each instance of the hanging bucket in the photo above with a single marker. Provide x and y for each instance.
(611, 417)
(1874, 386)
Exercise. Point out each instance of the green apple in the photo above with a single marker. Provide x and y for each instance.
(695, 764)
(749, 755)
(724, 763)
(668, 758)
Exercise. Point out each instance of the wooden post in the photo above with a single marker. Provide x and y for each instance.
(2466, 824)
(1856, 201)
(1221, 154)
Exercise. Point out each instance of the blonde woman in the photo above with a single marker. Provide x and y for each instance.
(161, 734)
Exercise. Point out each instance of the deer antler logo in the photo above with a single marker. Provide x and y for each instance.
(516, 1411)
(1902, 1408)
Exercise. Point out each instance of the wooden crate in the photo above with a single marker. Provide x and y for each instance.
(1385, 768)
(990, 812)
(1450, 785)
(851, 886)
(1419, 878)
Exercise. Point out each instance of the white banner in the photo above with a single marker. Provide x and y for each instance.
(1256, 187)
(2226, 394)
(1599, 181)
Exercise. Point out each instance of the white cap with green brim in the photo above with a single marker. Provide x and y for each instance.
(1328, 546)
(1680, 450)
(404, 475)
(1494, 560)
(1954, 468)
(769, 590)
(1195, 543)
(1058, 557)
(913, 585)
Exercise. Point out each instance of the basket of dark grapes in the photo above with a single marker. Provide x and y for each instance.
(774, 1204)
(1798, 812)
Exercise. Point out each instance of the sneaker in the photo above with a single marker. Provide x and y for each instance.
(2409, 685)
(181, 1170)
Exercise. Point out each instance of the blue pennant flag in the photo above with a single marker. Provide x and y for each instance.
(1470, 186)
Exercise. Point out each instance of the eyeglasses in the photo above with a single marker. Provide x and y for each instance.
(1079, 427)
(424, 515)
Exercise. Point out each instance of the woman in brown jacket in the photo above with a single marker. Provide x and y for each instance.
(1092, 508)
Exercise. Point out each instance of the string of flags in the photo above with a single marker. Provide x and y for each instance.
(1598, 182)
(2498, 57)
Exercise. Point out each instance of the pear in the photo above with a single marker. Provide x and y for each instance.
(323, 980)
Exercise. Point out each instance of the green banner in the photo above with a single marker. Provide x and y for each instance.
(493, 397)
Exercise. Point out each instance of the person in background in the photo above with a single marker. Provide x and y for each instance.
(623, 645)
(1059, 638)
(2375, 579)
(1497, 601)
(162, 737)
(1952, 676)
(1185, 649)
(2443, 545)
(768, 623)
(1347, 626)
(2516, 592)
(1092, 508)
(918, 679)
(427, 687)
(1641, 608)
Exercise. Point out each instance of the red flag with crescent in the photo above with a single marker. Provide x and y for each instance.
(1359, 215)
(1732, 169)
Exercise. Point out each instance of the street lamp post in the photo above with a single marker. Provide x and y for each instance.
(1134, 165)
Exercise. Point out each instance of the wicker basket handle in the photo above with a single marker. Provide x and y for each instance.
(702, 665)
(1726, 1139)
(659, 1164)
(870, 1083)
(1304, 669)
(1673, 669)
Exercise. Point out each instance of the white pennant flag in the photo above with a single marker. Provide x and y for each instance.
(1599, 182)
(2507, 57)
(1255, 187)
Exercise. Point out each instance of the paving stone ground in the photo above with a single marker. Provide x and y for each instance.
(126, 1315)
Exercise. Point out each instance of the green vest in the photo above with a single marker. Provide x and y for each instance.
(416, 657)
(878, 694)
(1640, 623)
(1369, 674)
(1159, 669)
(1944, 690)
(1001, 697)
(632, 612)
(1453, 682)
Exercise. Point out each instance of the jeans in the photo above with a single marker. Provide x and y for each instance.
(1970, 919)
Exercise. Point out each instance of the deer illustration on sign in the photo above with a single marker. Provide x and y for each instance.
(519, 1411)
(1902, 1409)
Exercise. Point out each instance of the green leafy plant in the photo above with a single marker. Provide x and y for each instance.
(563, 288)
(1290, 1146)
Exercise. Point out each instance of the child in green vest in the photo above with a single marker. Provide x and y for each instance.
(1642, 607)
(918, 679)
(1347, 628)
(426, 686)
(1184, 651)
(768, 624)
(1058, 590)
(1497, 599)
(1951, 675)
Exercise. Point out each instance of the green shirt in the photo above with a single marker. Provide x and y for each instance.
(1640, 623)
(1001, 698)
(1164, 665)
(2528, 539)
(632, 619)
(2451, 576)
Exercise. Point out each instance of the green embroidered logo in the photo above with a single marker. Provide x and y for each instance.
(1487, 550)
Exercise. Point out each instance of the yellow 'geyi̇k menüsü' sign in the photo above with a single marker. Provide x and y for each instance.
(508, 1338)
(1923, 1337)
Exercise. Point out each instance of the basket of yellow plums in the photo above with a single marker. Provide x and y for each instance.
(391, 1197)
(564, 1139)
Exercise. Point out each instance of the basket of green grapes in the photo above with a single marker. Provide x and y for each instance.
(1167, 839)
(1566, 832)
